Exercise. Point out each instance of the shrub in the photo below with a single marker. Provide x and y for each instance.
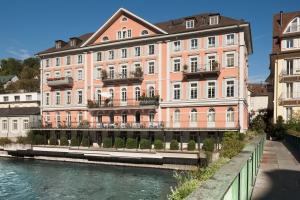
(258, 124)
(208, 145)
(39, 139)
(145, 144)
(85, 141)
(63, 140)
(174, 145)
(53, 140)
(75, 141)
(231, 144)
(158, 144)
(4, 141)
(107, 142)
(191, 145)
(23, 140)
(131, 143)
(119, 143)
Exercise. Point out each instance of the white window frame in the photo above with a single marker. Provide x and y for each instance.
(214, 20)
(176, 62)
(124, 53)
(80, 74)
(137, 51)
(215, 89)
(192, 88)
(151, 49)
(212, 45)
(231, 87)
(148, 66)
(190, 23)
(192, 44)
(226, 59)
(178, 90)
(78, 92)
(177, 46)
(192, 63)
(68, 97)
(229, 41)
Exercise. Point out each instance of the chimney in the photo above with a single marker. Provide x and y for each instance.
(280, 20)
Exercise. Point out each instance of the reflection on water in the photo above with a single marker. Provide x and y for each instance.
(31, 179)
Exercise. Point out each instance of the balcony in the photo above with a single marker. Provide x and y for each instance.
(131, 77)
(292, 99)
(60, 82)
(289, 77)
(209, 70)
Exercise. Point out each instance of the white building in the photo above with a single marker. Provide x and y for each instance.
(258, 98)
(17, 112)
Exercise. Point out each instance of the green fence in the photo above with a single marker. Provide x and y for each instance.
(235, 180)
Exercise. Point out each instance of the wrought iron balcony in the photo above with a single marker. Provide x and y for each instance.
(286, 99)
(131, 77)
(60, 82)
(209, 70)
(289, 77)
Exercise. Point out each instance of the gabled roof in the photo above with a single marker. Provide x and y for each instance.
(5, 79)
(114, 17)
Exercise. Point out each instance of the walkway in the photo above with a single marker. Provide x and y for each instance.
(279, 174)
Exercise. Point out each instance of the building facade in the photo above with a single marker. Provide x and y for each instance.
(259, 99)
(285, 64)
(187, 75)
(18, 111)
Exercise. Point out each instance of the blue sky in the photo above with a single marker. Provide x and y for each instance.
(33, 25)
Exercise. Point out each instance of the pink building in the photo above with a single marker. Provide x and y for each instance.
(182, 77)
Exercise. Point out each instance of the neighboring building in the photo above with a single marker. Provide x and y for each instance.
(285, 64)
(258, 98)
(183, 76)
(8, 79)
(17, 112)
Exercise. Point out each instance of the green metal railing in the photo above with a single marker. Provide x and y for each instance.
(236, 179)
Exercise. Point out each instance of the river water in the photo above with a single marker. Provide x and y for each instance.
(31, 179)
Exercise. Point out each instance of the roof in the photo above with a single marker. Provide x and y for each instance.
(169, 27)
(5, 79)
(10, 112)
(258, 89)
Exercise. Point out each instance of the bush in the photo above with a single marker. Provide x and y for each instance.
(231, 144)
(107, 142)
(4, 141)
(85, 141)
(119, 143)
(23, 140)
(279, 128)
(208, 145)
(174, 145)
(63, 140)
(53, 140)
(145, 144)
(258, 124)
(131, 143)
(75, 141)
(158, 144)
(191, 145)
(39, 139)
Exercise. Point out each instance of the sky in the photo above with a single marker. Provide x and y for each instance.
(29, 26)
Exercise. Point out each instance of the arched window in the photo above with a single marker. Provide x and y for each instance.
(144, 32)
(211, 115)
(124, 19)
(105, 38)
(137, 93)
(151, 91)
(177, 116)
(194, 115)
(151, 116)
(124, 95)
(293, 26)
(124, 117)
(230, 115)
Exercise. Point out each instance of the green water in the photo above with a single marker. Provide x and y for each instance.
(31, 179)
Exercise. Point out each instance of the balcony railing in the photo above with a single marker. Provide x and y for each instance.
(286, 99)
(111, 104)
(211, 70)
(60, 82)
(289, 77)
(131, 77)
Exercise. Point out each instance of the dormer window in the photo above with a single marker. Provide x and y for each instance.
(105, 38)
(144, 32)
(190, 23)
(214, 20)
(294, 26)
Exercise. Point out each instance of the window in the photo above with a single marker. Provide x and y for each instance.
(230, 60)
(290, 43)
(124, 34)
(213, 20)
(98, 96)
(123, 95)
(57, 61)
(111, 92)
(4, 125)
(194, 43)
(211, 63)
(124, 71)
(151, 49)
(68, 60)
(289, 90)
(211, 115)
(98, 73)
(80, 117)
(177, 116)
(68, 97)
(176, 91)
(230, 39)
(294, 26)
(80, 74)
(190, 23)
(194, 116)
(111, 72)
(47, 117)
(151, 116)
(137, 93)
(79, 59)
(105, 38)
(28, 97)
(68, 74)
(193, 90)
(69, 119)
(230, 88)
(211, 90)
(47, 101)
(194, 64)
(124, 19)
(15, 124)
(17, 98)
(47, 75)
(111, 55)
(212, 41)
(289, 113)
(57, 98)
(137, 51)
(123, 53)
(229, 115)
(124, 117)
(47, 63)
(151, 67)
(79, 97)
(289, 67)
(25, 124)
(99, 56)
(5, 98)
(129, 33)
(144, 32)
(177, 63)
(57, 74)
(176, 46)
(151, 91)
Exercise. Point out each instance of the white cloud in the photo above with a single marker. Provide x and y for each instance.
(18, 53)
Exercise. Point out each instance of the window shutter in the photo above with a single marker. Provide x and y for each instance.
(236, 59)
(235, 88)
(95, 73)
(236, 38)
(224, 88)
(217, 40)
(296, 42)
(283, 43)
(223, 60)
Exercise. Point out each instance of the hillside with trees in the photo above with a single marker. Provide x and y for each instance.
(28, 72)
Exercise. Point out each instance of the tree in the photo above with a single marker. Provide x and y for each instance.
(10, 66)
